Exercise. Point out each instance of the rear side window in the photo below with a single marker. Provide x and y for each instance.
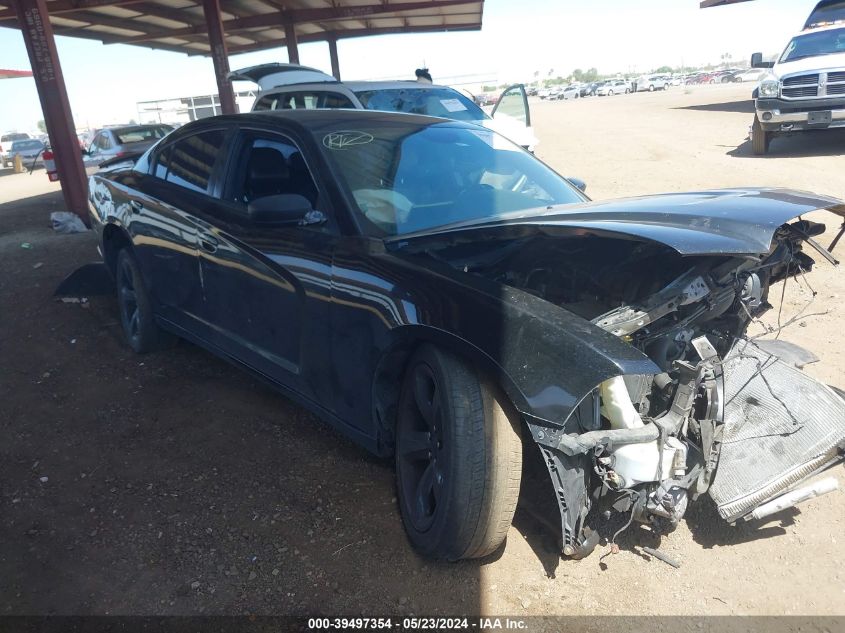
(189, 162)
(303, 100)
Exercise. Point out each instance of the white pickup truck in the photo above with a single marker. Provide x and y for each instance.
(805, 87)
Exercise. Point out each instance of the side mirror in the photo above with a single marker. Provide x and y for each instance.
(757, 61)
(283, 208)
(579, 184)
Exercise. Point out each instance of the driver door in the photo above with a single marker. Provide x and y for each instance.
(267, 287)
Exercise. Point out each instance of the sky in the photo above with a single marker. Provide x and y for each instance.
(517, 39)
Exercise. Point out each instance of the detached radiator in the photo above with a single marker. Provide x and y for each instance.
(781, 427)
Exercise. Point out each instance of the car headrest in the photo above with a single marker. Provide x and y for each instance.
(266, 163)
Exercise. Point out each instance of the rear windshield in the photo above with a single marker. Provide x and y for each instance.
(441, 102)
(140, 134)
(7, 138)
(22, 146)
(303, 100)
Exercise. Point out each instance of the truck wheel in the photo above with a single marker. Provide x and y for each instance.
(760, 138)
(458, 458)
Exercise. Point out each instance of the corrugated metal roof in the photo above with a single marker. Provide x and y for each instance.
(250, 25)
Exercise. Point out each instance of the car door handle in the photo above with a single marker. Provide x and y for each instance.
(208, 243)
(137, 206)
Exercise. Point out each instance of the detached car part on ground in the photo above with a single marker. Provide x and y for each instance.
(443, 297)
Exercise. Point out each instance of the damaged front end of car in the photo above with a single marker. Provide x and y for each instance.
(727, 414)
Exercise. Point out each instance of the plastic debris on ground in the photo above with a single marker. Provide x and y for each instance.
(66, 222)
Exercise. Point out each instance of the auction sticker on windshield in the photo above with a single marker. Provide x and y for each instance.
(452, 105)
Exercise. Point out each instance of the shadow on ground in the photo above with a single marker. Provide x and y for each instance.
(799, 145)
(741, 107)
(174, 483)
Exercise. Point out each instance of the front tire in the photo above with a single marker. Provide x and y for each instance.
(136, 313)
(458, 458)
(760, 138)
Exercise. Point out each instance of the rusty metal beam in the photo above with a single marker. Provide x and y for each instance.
(332, 41)
(291, 43)
(705, 4)
(219, 56)
(40, 44)
(296, 16)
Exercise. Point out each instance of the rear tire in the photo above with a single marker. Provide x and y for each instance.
(651, 88)
(760, 138)
(136, 313)
(458, 458)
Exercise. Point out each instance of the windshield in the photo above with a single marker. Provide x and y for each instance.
(815, 44)
(404, 177)
(139, 134)
(442, 102)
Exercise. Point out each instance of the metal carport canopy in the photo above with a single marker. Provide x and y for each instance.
(216, 28)
(249, 25)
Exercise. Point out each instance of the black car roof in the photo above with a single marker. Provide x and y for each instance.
(318, 119)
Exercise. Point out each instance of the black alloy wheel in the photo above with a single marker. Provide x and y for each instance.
(422, 463)
(458, 458)
(136, 314)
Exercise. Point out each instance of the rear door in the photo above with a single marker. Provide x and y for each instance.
(166, 219)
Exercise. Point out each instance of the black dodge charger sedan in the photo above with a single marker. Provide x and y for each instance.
(444, 297)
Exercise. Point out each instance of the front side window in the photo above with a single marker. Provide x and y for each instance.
(440, 102)
(103, 141)
(190, 161)
(272, 166)
(403, 177)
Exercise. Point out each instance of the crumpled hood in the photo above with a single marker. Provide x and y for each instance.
(718, 222)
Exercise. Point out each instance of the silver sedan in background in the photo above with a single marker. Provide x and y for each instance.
(115, 142)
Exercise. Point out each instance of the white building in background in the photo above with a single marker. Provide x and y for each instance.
(187, 109)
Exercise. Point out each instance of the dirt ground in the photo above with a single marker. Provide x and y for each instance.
(175, 484)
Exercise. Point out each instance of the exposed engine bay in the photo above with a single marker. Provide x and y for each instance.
(649, 444)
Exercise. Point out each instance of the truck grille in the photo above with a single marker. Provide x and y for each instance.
(801, 80)
(816, 85)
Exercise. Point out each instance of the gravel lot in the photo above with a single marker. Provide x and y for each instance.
(175, 484)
